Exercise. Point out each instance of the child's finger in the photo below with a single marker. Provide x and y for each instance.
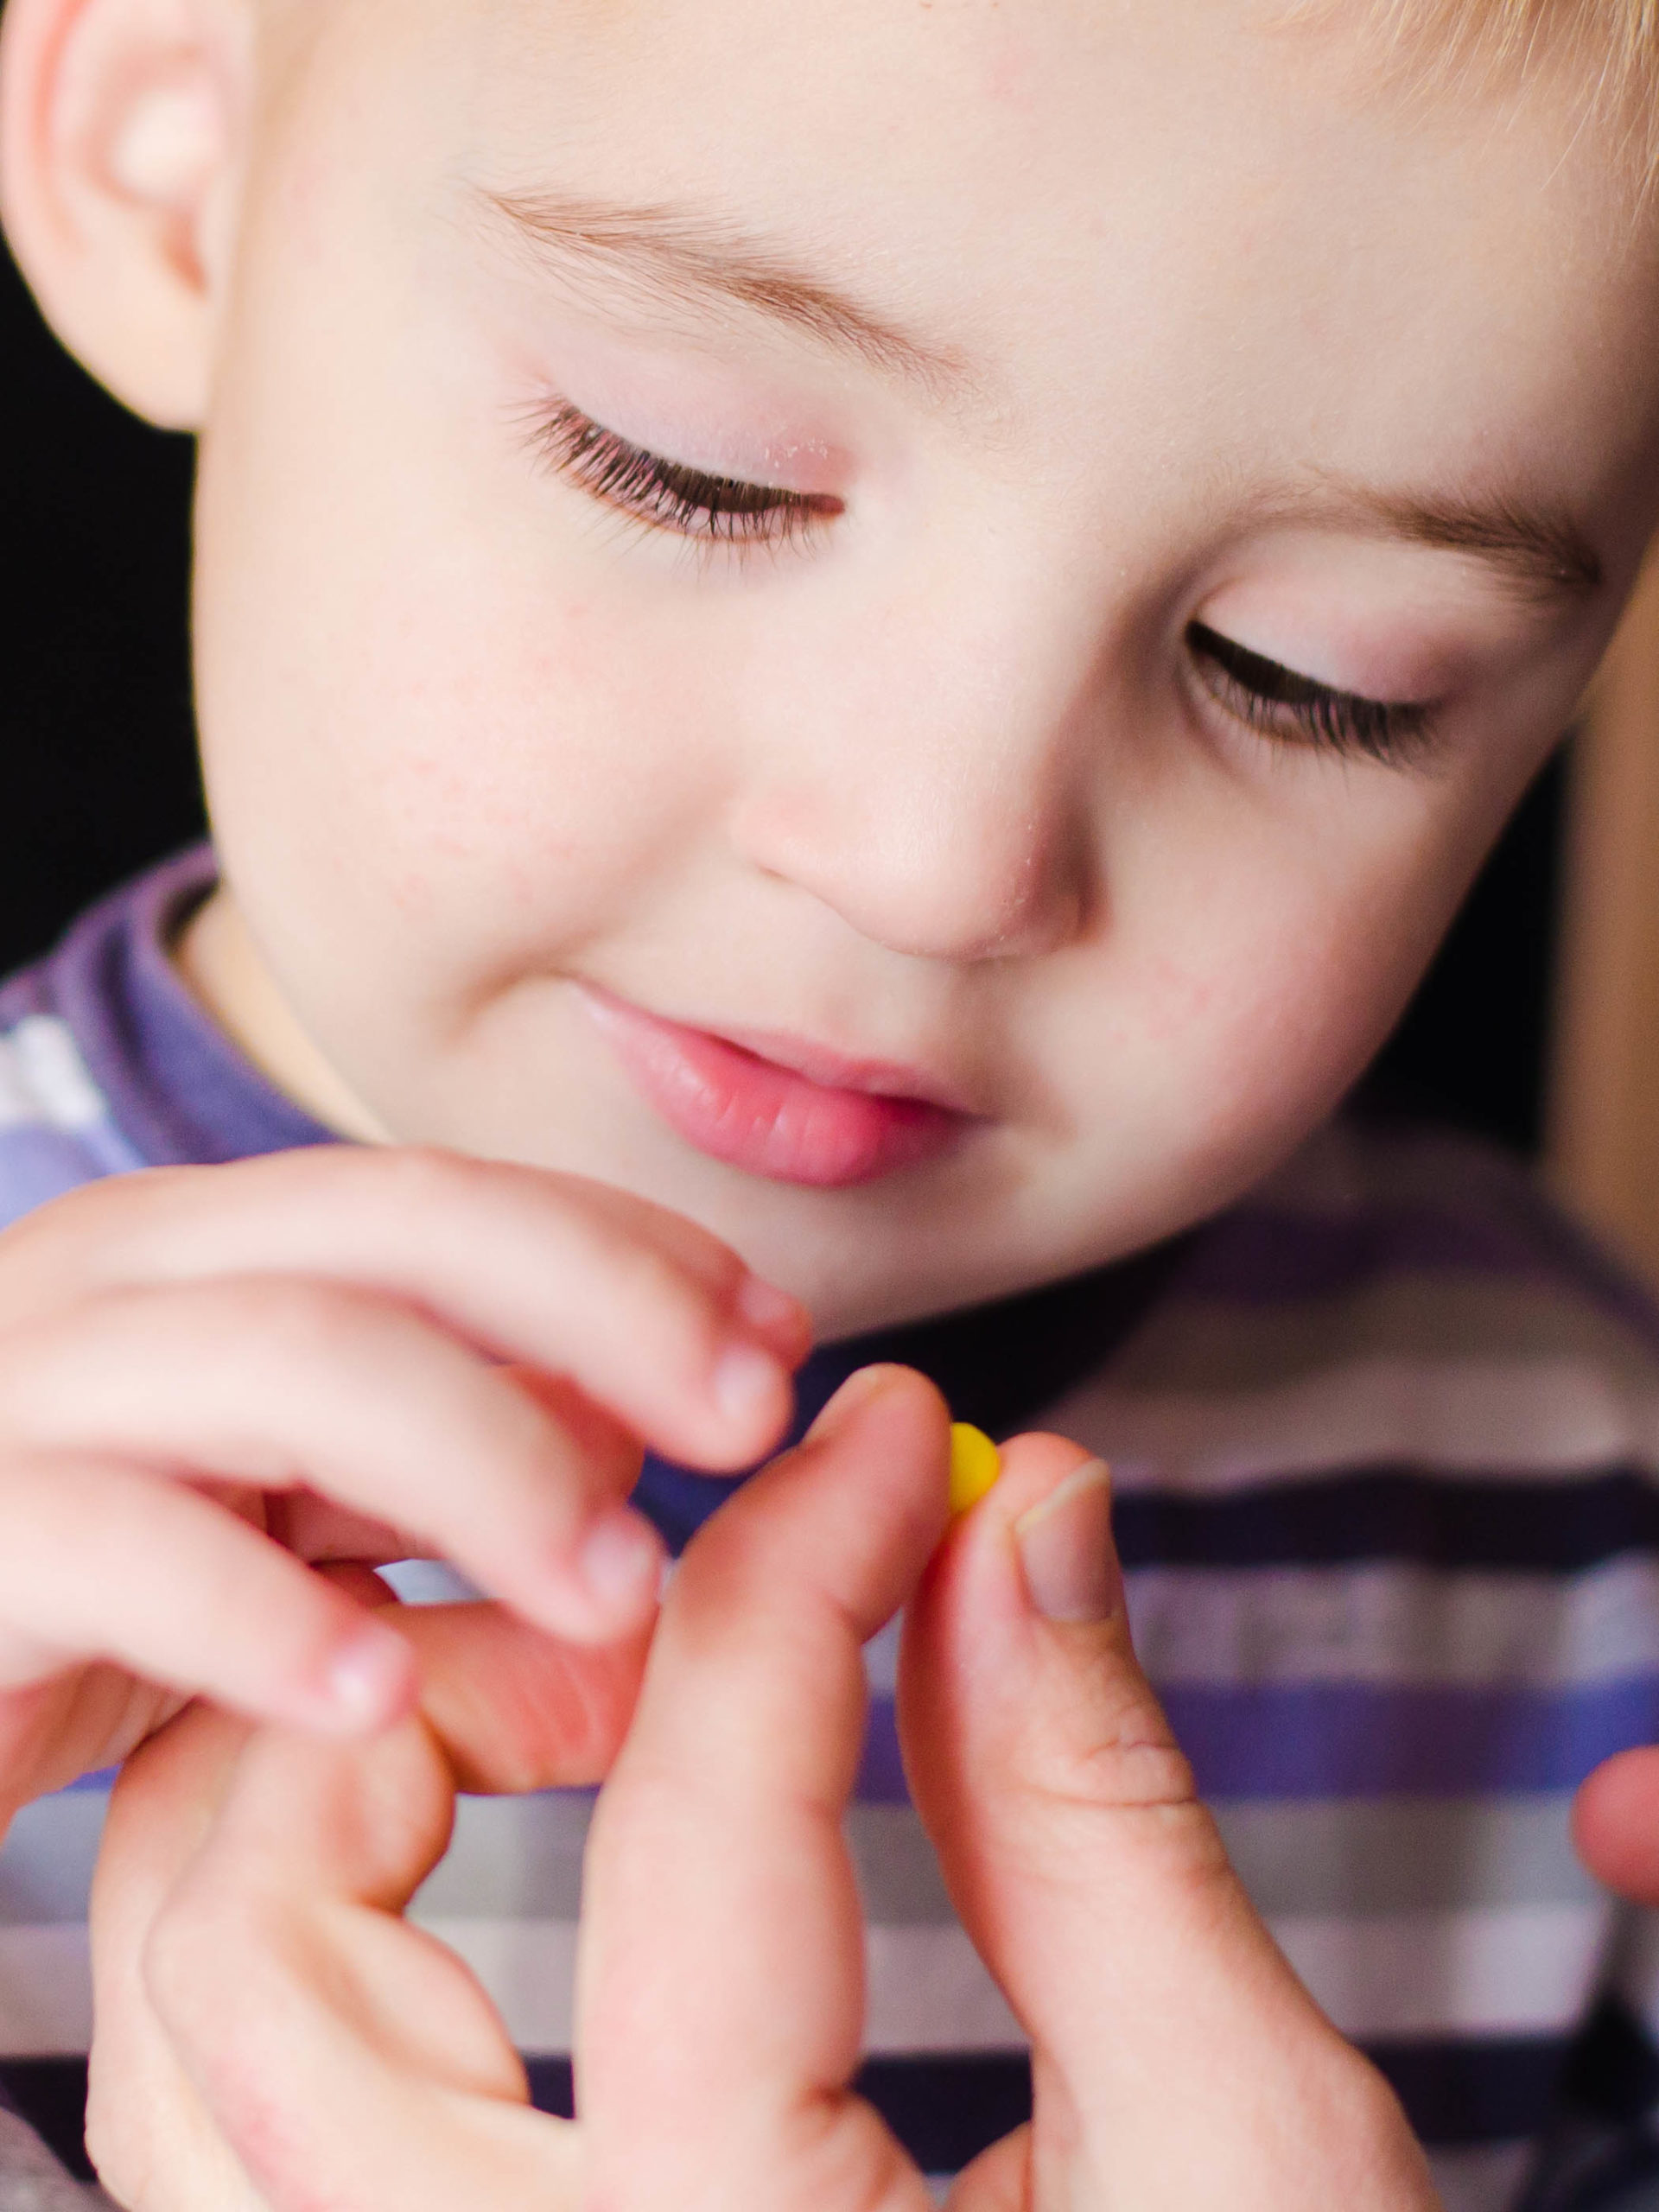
(280, 1384)
(652, 1317)
(105, 1561)
(1164, 2020)
(720, 1987)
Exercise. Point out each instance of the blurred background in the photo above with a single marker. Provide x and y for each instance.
(1535, 1027)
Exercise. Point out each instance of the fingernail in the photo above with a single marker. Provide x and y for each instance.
(772, 1314)
(620, 1561)
(369, 1677)
(746, 1381)
(857, 1390)
(1066, 1548)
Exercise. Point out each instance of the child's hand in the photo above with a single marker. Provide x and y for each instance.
(210, 1375)
(272, 2036)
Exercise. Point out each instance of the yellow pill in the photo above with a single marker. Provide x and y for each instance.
(975, 1464)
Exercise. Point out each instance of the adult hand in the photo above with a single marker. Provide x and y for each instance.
(272, 2035)
(1616, 1824)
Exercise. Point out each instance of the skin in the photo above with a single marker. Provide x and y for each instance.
(941, 783)
(938, 786)
(273, 2038)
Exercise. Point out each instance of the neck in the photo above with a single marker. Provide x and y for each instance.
(226, 973)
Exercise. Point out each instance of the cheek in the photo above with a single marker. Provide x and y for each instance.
(1250, 1000)
(425, 713)
(436, 743)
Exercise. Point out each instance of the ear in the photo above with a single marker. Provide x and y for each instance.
(122, 130)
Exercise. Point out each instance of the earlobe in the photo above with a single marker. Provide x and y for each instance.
(121, 131)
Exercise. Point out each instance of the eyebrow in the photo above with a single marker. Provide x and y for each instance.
(702, 262)
(1538, 549)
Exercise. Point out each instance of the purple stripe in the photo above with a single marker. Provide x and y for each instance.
(881, 1770)
(1485, 1222)
(1332, 1740)
(1358, 1740)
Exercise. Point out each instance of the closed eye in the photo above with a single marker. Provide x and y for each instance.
(1294, 709)
(669, 495)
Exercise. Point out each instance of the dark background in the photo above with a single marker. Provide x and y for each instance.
(100, 776)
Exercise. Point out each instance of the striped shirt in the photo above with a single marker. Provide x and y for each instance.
(1386, 1439)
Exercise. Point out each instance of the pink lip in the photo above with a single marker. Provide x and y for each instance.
(777, 1106)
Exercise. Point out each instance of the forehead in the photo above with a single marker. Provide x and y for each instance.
(1220, 214)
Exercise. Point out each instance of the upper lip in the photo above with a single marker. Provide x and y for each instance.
(819, 1063)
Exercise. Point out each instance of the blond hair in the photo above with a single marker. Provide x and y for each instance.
(1617, 39)
(1606, 50)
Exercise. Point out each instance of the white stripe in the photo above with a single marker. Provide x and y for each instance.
(45, 1992)
(881, 1659)
(1510, 1970)
(1395, 1623)
(928, 1989)
(1519, 1971)
(1543, 1417)
(1524, 1970)
(44, 1080)
(527, 1966)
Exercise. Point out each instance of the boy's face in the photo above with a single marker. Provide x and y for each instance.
(1057, 330)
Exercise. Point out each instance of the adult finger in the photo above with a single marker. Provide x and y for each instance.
(1177, 2060)
(148, 2132)
(282, 1384)
(1616, 1824)
(720, 1976)
(655, 1319)
(264, 1989)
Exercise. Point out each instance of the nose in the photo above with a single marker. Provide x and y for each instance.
(936, 794)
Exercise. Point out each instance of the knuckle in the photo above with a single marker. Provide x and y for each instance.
(648, 1282)
(189, 1964)
(420, 1176)
(377, 1190)
(295, 1322)
(1106, 1737)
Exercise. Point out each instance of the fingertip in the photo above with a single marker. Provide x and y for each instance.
(370, 1679)
(620, 1565)
(600, 1583)
(882, 1380)
(777, 1317)
(1616, 1824)
(1034, 1466)
(753, 1395)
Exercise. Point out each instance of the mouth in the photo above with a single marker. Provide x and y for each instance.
(780, 1107)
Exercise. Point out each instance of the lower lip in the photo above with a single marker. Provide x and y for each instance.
(753, 1114)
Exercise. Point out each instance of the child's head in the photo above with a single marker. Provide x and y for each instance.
(1102, 358)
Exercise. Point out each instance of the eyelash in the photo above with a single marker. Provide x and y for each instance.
(668, 495)
(1295, 709)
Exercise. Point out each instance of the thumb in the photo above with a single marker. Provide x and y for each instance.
(1176, 2058)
